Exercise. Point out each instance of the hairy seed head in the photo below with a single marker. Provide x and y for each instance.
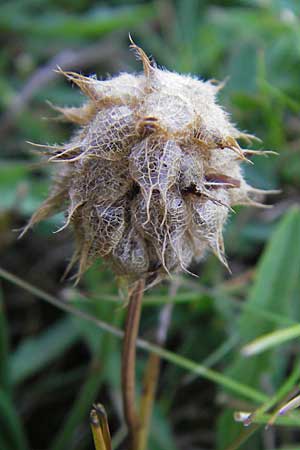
(148, 180)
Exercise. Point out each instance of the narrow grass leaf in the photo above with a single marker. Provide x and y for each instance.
(4, 372)
(274, 288)
(95, 23)
(35, 353)
(185, 363)
(270, 340)
(11, 430)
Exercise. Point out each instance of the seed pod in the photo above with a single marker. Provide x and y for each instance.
(148, 180)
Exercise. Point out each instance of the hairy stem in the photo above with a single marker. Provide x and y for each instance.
(128, 363)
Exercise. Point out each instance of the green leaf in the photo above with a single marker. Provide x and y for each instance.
(277, 278)
(274, 290)
(86, 396)
(270, 340)
(95, 23)
(35, 353)
(11, 430)
(161, 437)
(4, 372)
(10, 176)
(292, 447)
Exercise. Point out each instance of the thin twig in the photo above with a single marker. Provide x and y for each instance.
(152, 371)
(128, 362)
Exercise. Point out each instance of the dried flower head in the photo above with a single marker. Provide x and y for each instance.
(149, 178)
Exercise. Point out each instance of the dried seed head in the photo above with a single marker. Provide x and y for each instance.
(149, 179)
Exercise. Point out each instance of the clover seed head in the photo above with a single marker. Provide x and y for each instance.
(150, 176)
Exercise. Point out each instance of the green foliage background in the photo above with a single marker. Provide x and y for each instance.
(54, 365)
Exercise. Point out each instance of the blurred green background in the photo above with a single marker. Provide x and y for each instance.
(54, 365)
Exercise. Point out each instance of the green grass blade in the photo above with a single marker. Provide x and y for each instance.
(4, 370)
(274, 289)
(87, 395)
(212, 375)
(185, 363)
(35, 353)
(11, 429)
(93, 24)
(80, 409)
(270, 340)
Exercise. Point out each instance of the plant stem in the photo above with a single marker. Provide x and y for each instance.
(152, 372)
(97, 431)
(103, 424)
(147, 400)
(128, 362)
